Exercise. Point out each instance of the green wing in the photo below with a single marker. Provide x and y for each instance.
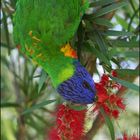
(54, 22)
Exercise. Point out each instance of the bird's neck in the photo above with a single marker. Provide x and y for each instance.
(58, 63)
(60, 69)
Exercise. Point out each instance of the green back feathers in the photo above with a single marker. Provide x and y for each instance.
(42, 27)
(53, 21)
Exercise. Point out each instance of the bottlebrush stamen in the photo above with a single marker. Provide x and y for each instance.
(107, 100)
(69, 124)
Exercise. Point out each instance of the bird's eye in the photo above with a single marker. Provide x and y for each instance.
(96, 98)
(86, 85)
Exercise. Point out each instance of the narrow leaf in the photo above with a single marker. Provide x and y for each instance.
(130, 72)
(117, 33)
(37, 106)
(124, 43)
(101, 3)
(8, 104)
(124, 54)
(126, 83)
(100, 42)
(98, 53)
(78, 108)
(109, 8)
(103, 21)
(109, 124)
(42, 80)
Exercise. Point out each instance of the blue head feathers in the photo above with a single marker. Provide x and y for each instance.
(79, 88)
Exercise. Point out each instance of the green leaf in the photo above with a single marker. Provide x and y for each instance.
(37, 106)
(131, 54)
(101, 3)
(97, 53)
(42, 80)
(126, 83)
(124, 54)
(117, 33)
(33, 123)
(132, 18)
(103, 21)
(8, 104)
(78, 107)
(130, 72)
(109, 124)
(124, 43)
(39, 117)
(100, 42)
(109, 8)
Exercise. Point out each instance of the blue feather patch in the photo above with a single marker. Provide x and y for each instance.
(79, 88)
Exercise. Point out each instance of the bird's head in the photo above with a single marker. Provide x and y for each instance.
(79, 88)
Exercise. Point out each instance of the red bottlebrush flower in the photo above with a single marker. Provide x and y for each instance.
(106, 108)
(112, 98)
(117, 86)
(102, 97)
(101, 93)
(100, 88)
(107, 100)
(115, 114)
(126, 137)
(53, 134)
(114, 73)
(70, 123)
(134, 137)
(120, 103)
(104, 79)
(59, 121)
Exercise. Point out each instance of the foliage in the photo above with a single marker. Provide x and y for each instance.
(107, 39)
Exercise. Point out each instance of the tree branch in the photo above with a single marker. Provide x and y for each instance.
(21, 130)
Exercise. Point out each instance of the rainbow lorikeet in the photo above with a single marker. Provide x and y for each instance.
(43, 29)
